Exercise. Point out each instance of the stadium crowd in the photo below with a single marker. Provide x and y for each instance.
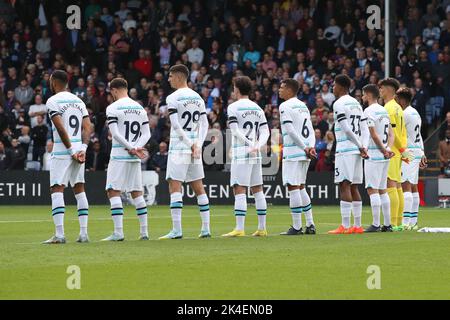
(265, 40)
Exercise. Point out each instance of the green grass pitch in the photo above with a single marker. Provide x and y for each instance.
(412, 265)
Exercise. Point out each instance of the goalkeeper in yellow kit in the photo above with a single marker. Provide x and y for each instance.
(388, 88)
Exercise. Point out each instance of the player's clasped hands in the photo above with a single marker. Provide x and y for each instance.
(363, 153)
(388, 154)
(196, 151)
(311, 153)
(141, 153)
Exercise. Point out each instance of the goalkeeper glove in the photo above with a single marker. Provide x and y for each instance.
(407, 156)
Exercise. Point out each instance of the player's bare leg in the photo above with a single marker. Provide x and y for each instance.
(176, 206)
(261, 210)
(83, 211)
(141, 212)
(346, 208)
(58, 210)
(240, 211)
(203, 206)
(295, 204)
(356, 209)
(117, 215)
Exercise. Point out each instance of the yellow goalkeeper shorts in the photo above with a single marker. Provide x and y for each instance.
(395, 169)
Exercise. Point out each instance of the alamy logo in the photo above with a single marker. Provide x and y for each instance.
(74, 280)
(374, 280)
(74, 20)
(374, 19)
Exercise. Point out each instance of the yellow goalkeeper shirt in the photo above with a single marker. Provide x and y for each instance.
(398, 125)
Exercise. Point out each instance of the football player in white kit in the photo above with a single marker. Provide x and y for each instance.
(377, 165)
(410, 171)
(250, 133)
(130, 130)
(189, 127)
(71, 132)
(350, 130)
(298, 149)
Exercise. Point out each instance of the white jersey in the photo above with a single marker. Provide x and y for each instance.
(72, 110)
(130, 116)
(189, 106)
(249, 117)
(296, 112)
(413, 124)
(348, 109)
(378, 118)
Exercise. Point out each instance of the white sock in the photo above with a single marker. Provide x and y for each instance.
(295, 203)
(407, 211)
(357, 212)
(203, 206)
(240, 210)
(176, 205)
(83, 212)
(141, 211)
(346, 213)
(306, 207)
(415, 208)
(261, 209)
(58, 209)
(386, 208)
(375, 203)
(117, 215)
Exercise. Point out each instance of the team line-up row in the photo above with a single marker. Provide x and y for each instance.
(386, 137)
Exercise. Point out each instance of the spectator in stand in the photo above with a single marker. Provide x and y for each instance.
(37, 109)
(96, 159)
(445, 126)
(144, 63)
(3, 157)
(320, 109)
(24, 93)
(444, 153)
(47, 156)
(158, 162)
(321, 145)
(39, 137)
(15, 157)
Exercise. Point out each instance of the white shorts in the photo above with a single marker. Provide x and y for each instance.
(183, 168)
(125, 176)
(65, 172)
(246, 174)
(410, 172)
(295, 172)
(348, 167)
(376, 174)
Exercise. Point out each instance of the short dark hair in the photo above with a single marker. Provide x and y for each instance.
(60, 76)
(244, 84)
(118, 83)
(390, 82)
(180, 68)
(343, 80)
(291, 84)
(373, 90)
(405, 94)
